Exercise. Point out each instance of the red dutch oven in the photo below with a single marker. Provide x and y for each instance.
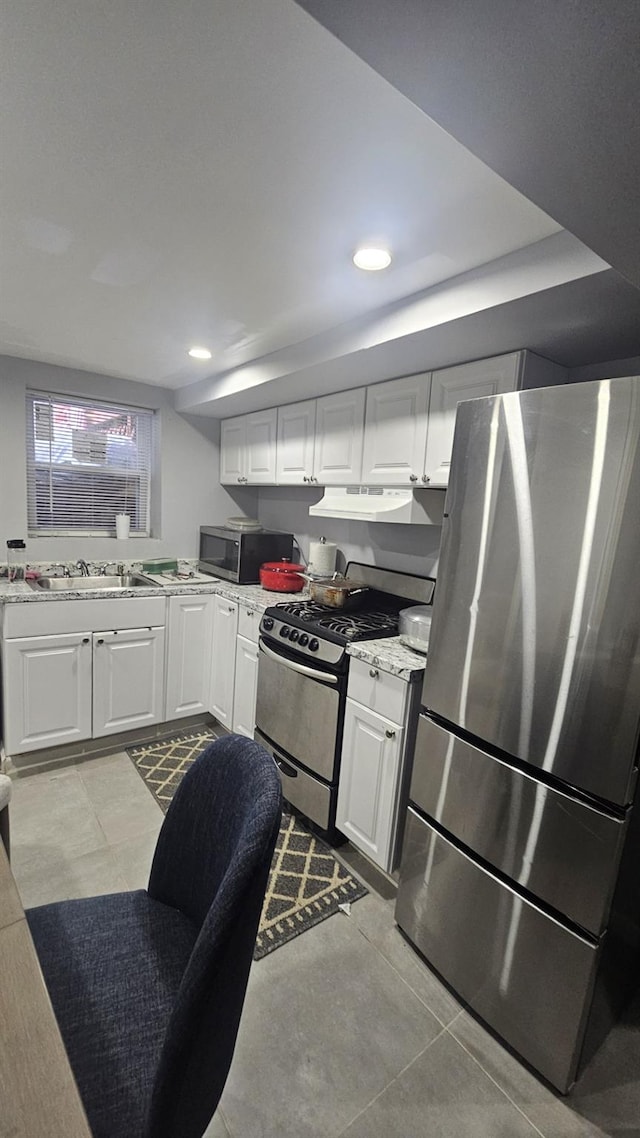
(282, 576)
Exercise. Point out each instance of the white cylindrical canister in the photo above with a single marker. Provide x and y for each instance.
(122, 526)
(322, 557)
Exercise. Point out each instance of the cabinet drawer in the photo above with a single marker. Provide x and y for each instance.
(558, 848)
(47, 618)
(380, 691)
(248, 623)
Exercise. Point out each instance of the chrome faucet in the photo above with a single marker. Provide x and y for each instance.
(83, 567)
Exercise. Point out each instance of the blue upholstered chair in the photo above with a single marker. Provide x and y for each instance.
(148, 987)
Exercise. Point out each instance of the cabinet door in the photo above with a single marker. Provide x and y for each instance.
(368, 788)
(260, 446)
(128, 679)
(190, 644)
(448, 388)
(395, 431)
(232, 450)
(296, 429)
(223, 660)
(47, 691)
(339, 434)
(246, 684)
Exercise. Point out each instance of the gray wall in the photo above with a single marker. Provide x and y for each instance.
(411, 548)
(186, 487)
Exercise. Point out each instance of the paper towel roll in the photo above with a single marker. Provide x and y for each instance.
(322, 557)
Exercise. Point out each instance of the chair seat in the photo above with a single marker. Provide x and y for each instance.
(113, 966)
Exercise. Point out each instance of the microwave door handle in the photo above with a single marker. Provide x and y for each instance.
(302, 668)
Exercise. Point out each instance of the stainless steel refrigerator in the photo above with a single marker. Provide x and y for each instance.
(520, 873)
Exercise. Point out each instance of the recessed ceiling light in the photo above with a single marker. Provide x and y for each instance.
(371, 259)
(200, 353)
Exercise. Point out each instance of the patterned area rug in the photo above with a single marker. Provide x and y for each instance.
(306, 883)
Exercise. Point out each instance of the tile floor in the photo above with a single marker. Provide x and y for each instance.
(345, 1031)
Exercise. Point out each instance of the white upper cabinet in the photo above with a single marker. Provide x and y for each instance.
(232, 448)
(295, 443)
(248, 449)
(339, 435)
(260, 461)
(395, 432)
(448, 388)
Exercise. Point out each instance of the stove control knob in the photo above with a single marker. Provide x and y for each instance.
(267, 623)
(293, 635)
(284, 631)
(314, 645)
(303, 640)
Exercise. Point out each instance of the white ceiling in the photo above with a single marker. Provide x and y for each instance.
(180, 173)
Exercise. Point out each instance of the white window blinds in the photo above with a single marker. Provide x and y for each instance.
(86, 462)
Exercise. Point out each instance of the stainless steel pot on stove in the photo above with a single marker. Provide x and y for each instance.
(336, 592)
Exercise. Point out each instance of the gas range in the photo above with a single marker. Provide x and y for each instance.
(303, 670)
(323, 633)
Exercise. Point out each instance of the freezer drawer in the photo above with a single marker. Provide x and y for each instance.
(529, 977)
(553, 845)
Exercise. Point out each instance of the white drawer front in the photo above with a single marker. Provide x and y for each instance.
(248, 623)
(46, 618)
(380, 691)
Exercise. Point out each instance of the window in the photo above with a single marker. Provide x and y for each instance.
(86, 462)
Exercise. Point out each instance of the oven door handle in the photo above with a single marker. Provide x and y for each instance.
(326, 677)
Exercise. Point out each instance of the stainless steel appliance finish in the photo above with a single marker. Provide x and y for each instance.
(298, 709)
(302, 682)
(520, 969)
(534, 643)
(312, 797)
(527, 755)
(237, 556)
(506, 816)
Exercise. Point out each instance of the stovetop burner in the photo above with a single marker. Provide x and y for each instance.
(364, 624)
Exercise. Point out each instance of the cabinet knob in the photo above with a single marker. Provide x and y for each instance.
(413, 477)
(425, 478)
(249, 612)
(374, 673)
(390, 734)
(85, 639)
(101, 641)
(305, 479)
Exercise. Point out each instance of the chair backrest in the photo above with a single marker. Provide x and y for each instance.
(212, 862)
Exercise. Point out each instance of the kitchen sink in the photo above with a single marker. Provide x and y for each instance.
(58, 584)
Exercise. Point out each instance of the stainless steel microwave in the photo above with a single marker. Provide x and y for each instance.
(237, 556)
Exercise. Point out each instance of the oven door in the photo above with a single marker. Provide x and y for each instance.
(299, 709)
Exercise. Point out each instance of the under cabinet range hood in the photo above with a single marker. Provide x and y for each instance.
(381, 504)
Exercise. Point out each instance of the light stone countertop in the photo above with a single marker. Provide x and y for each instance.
(390, 655)
(254, 596)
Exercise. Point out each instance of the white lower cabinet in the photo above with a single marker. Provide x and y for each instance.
(47, 691)
(223, 662)
(246, 686)
(190, 637)
(128, 679)
(369, 774)
(73, 682)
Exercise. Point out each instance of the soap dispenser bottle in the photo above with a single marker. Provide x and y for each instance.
(15, 559)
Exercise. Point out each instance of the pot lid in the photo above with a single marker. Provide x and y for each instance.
(283, 566)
